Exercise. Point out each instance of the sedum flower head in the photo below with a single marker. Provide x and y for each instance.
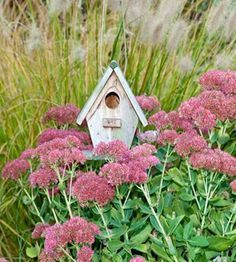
(148, 103)
(43, 177)
(137, 259)
(93, 188)
(149, 136)
(113, 151)
(115, 173)
(189, 142)
(15, 168)
(62, 115)
(85, 254)
(224, 81)
(233, 185)
(214, 160)
(167, 137)
(50, 133)
(39, 230)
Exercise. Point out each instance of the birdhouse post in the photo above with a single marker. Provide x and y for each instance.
(112, 111)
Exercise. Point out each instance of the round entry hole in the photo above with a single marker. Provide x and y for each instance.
(112, 100)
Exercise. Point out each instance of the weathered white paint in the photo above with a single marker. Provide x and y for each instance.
(124, 111)
(105, 123)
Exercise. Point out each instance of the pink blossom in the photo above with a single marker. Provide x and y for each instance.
(28, 153)
(50, 134)
(15, 168)
(91, 187)
(115, 173)
(62, 115)
(187, 108)
(148, 136)
(57, 236)
(137, 259)
(148, 103)
(215, 101)
(224, 81)
(203, 118)
(80, 230)
(115, 150)
(51, 257)
(65, 157)
(160, 120)
(167, 137)
(43, 177)
(214, 160)
(2, 259)
(85, 254)
(39, 230)
(189, 142)
(233, 185)
(142, 156)
(177, 122)
(136, 173)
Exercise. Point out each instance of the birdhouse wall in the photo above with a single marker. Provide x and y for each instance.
(107, 124)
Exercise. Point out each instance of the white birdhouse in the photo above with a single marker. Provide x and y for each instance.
(112, 112)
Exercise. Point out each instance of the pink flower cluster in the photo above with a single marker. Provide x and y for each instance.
(148, 103)
(167, 137)
(224, 81)
(2, 259)
(173, 120)
(15, 168)
(90, 187)
(114, 151)
(62, 115)
(85, 254)
(61, 152)
(77, 230)
(148, 136)
(214, 160)
(131, 166)
(233, 185)
(50, 134)
(43, 177)
(39, 230)
(189, 142)
(137, 259)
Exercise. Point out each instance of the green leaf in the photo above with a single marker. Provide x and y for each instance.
(114, 245)
(176, 176)
(186, 197)
(142, 236)
(141, 248)
(223, 139)
(221, 203)
(160, 252)
(198, 241)
(32, 252)
(219, 243)
(174, 223)
(188, 229)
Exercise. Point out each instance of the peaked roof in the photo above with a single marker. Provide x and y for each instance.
(113, 67)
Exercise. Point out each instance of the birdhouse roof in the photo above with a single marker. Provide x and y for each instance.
(113, 67)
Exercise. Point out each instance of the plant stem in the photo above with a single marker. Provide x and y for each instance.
(103, 220)
(122, 211)
(50, 202)
(192, 186)
(67, 203)
(67, 254)
(34, 205)
(163, 173)
(166, 237)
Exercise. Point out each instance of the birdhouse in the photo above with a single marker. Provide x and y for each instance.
(112, 111)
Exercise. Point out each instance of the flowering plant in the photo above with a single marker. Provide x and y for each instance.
(168, 197)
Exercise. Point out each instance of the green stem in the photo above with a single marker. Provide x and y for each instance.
(32, 200)
(127, 196)
(166, 237)
(230, 219)
(122, 211)
(50, 202)
(163, 173)
(67, 203)
(103, 220)
(67, 254)
(192, 186)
